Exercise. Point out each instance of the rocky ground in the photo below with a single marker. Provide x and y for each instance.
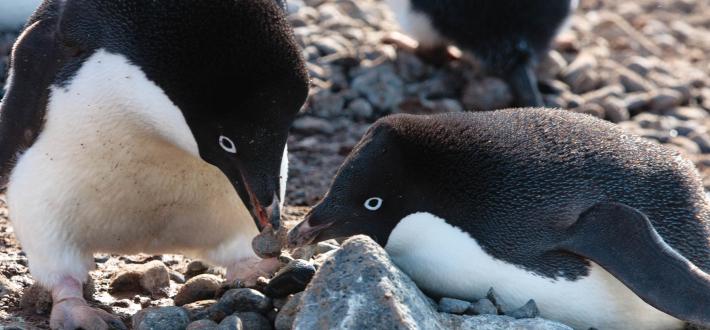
(642, 64)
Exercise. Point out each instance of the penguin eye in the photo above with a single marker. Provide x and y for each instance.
(227, 144)
(373, 204)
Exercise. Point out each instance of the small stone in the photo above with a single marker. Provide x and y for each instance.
(688, 113)
(37, 300)
(155, 278)
(200, 310)
(579, 75)
(194, 268)
(482, 307)
(312, 125)
(254, 321)
(528, 311)
(8, 288)
(158, 318)
(359, 108)
(633, 82)
(664, 99)
(291, 279)
(593, 109)
(381, 87)
(200, 287)
(244, 300)
(267, 244)
(202, 325)
(304, 252)
(703, 142)
(287, 314)
(177, 277)
(324, 247)
(686, 144)
(453, 306)
(231, 323)
(492, 296)
(551, 65)
(489, 94)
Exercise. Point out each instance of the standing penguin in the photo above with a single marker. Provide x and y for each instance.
(508, 36)
(146, 126)
(601, 228)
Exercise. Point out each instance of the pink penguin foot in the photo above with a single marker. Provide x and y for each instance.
(70, 310)
(74, 313)
(248, 271)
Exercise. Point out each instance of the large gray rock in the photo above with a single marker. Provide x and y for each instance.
(359, 287)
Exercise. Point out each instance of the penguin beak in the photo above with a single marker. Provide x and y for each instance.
(266, 212)
(304, 233)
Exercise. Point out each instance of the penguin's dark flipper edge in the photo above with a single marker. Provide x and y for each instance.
(623, 241)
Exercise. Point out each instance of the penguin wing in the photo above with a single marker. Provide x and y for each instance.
(36, 58)
(622, 240)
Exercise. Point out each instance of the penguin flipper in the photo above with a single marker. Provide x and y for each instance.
(36, 59)
(622, 240)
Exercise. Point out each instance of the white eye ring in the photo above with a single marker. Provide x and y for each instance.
(373, 204)
(227, 144)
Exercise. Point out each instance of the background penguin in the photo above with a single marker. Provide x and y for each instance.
(602, 229)
(146, 126)
(508, 36)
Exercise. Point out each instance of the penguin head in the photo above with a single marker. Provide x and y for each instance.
(231, 67)
(373, 190)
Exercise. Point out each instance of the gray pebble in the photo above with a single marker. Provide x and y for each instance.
(703, 142)
(254, 321)
(244, 300)
(453, 306)
(312, 125)
(202, 325)
(482, 307)
(267, 244)
(324, 247)
(381, 87)
(177, 277)
(664, 99)
(492, 296)
(360, 109)
(194, 268)
(200, 287)
(291, 279)
(487, 94)
(161, 318)
(287, 314)
(528, 311)
(231, 323)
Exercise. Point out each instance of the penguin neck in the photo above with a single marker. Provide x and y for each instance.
(115, 98)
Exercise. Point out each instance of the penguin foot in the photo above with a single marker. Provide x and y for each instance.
(248, 271)
(70, 310)
(435, 55)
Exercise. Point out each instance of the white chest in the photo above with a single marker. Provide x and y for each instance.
(446, 261)
(416, 24)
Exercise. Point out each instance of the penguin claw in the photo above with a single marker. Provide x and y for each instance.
(247, 272)
(76, 314)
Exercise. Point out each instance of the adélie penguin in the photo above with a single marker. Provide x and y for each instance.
(603, 229)
(507, 36)
(146, 126)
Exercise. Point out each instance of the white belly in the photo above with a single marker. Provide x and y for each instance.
(415, 24)
(444, 260)
(116, 169)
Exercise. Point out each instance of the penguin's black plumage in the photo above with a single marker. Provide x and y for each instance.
(146, 126)
(508, 36)
(544, 204)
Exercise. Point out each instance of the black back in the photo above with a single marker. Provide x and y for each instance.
(231, 66)
(515, 180)
(503, 32)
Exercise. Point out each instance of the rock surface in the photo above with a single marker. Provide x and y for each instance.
(359, 287)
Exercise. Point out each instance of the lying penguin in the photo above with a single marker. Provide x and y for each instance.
(146, 126)
(508, 36)
(601, 228)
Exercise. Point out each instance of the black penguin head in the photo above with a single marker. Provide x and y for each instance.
(373, 190)
(232, 67)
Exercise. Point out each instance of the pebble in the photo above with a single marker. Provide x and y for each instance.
(453, 306)
(482, 307)
(287, 314)
(488, 94)
(492, 296)
(202, 325)
(200, 287)
(528, 311)
(231, 323)
(323, 247)
(312, 125)
(267, 244)
(152, 277)
(254, 321)
(194, 268)
(244, 300)
(381, 87)
(161, 318)
(664, 99)
(579, 75)
(360, 109)
(200, 310)
(291, 279)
